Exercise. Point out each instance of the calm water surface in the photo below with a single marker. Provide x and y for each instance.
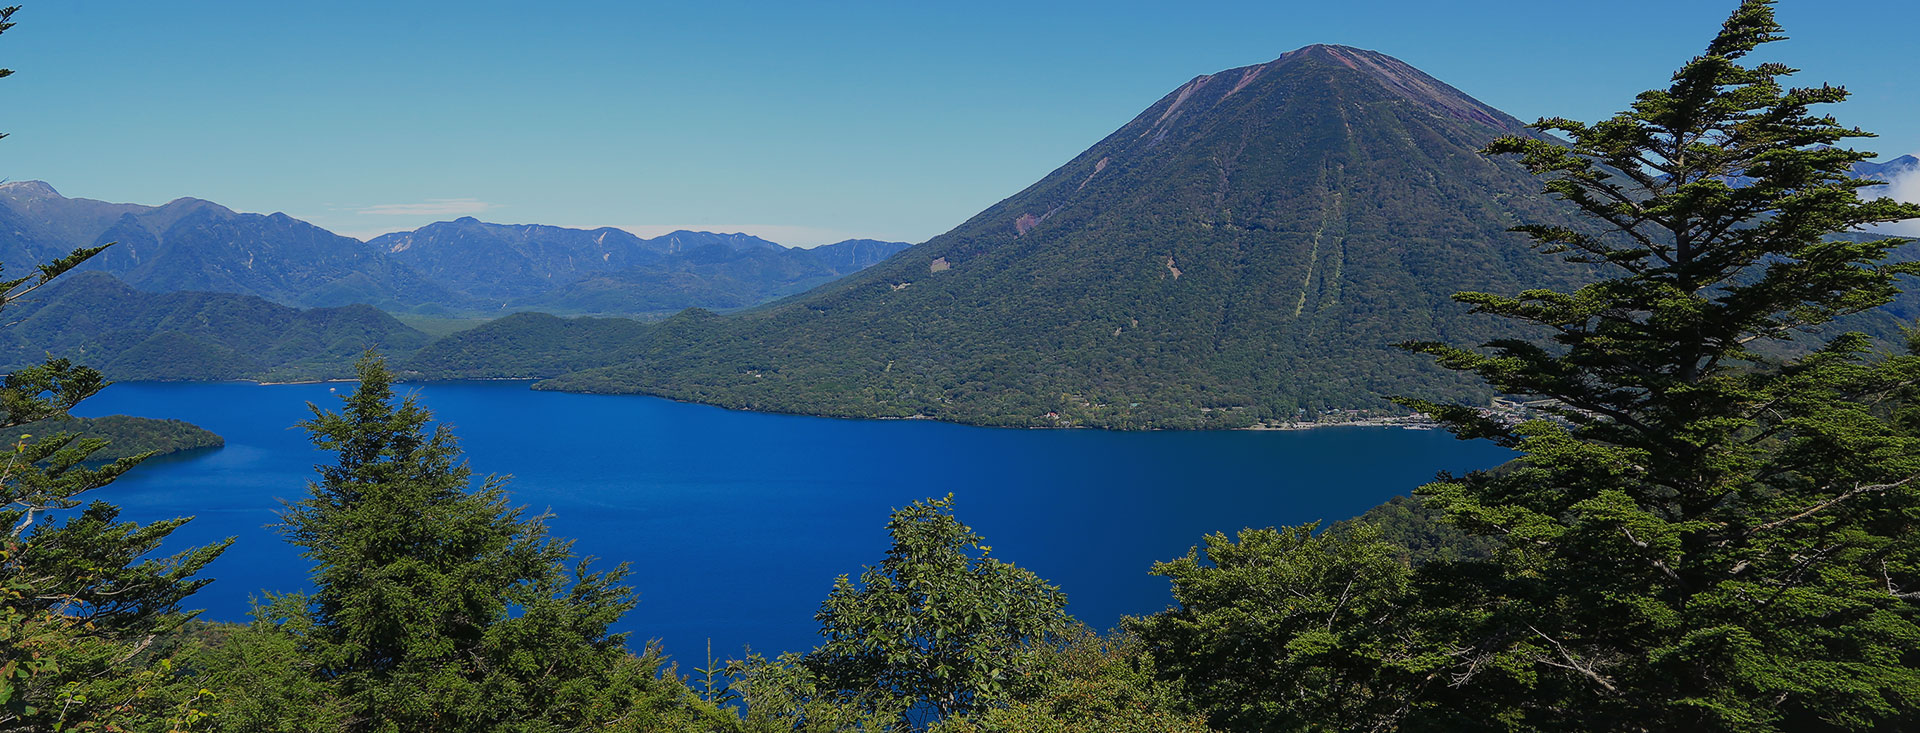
(737, 523)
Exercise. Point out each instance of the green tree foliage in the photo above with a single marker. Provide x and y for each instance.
(1420, 531)
(1287, 629)
(126, 436)
(1715, 527)
(784, 695)
(129, 334)
(437, 607)
(1095, 685)
(525, 345)
(939, 628)
(262, 677)
(1706, 538)
(82, 594)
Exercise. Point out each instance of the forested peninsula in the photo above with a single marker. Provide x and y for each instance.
(125, 436)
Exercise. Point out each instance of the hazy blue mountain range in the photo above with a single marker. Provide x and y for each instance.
(1881, 171)
(1246, 248)
(194, 245)
(1887, 170)
(544, 268)
(460, 267)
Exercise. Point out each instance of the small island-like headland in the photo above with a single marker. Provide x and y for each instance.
(125, 435)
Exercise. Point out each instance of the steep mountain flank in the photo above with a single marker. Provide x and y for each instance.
(1245, 249)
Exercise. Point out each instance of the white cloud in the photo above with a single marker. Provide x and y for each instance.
(1903, 187)
(367, 235)
(430, 207)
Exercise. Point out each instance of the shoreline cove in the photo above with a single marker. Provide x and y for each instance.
(771, 508)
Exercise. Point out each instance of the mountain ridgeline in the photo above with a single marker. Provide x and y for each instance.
(1245, 250)
(194, 245)
(608, 270)
(464, 267)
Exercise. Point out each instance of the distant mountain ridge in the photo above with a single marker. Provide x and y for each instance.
(199, 246)
(463, 267)
(527, 259)
(1245, 249)
(1886, 170)
(609, 270)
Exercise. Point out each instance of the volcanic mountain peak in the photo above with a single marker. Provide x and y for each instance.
(1413, 84)
(1398, 78)
(1277, 130)
(28, 189)
(1245, 249)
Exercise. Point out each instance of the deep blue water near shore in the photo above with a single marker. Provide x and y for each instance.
(737, 523)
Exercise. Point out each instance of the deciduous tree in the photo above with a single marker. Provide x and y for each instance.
(939, 628)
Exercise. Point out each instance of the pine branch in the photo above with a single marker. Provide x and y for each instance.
(1855, 492)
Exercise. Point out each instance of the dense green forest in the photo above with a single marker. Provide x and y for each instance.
(526, 345)
(1699, 533)
(129, 334)
(126, 436)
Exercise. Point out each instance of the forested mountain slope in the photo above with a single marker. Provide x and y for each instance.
(1246, 248)
(128, 334)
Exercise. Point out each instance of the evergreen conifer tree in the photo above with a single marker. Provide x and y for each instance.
(1718, 528)
(437, 607)
(82, 599)
(1281, 630)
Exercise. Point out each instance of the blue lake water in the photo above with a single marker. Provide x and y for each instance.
(737, 523)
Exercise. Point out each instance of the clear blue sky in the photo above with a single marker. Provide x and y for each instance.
(801, 121)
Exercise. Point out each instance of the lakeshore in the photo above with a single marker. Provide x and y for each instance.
(774, 507)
